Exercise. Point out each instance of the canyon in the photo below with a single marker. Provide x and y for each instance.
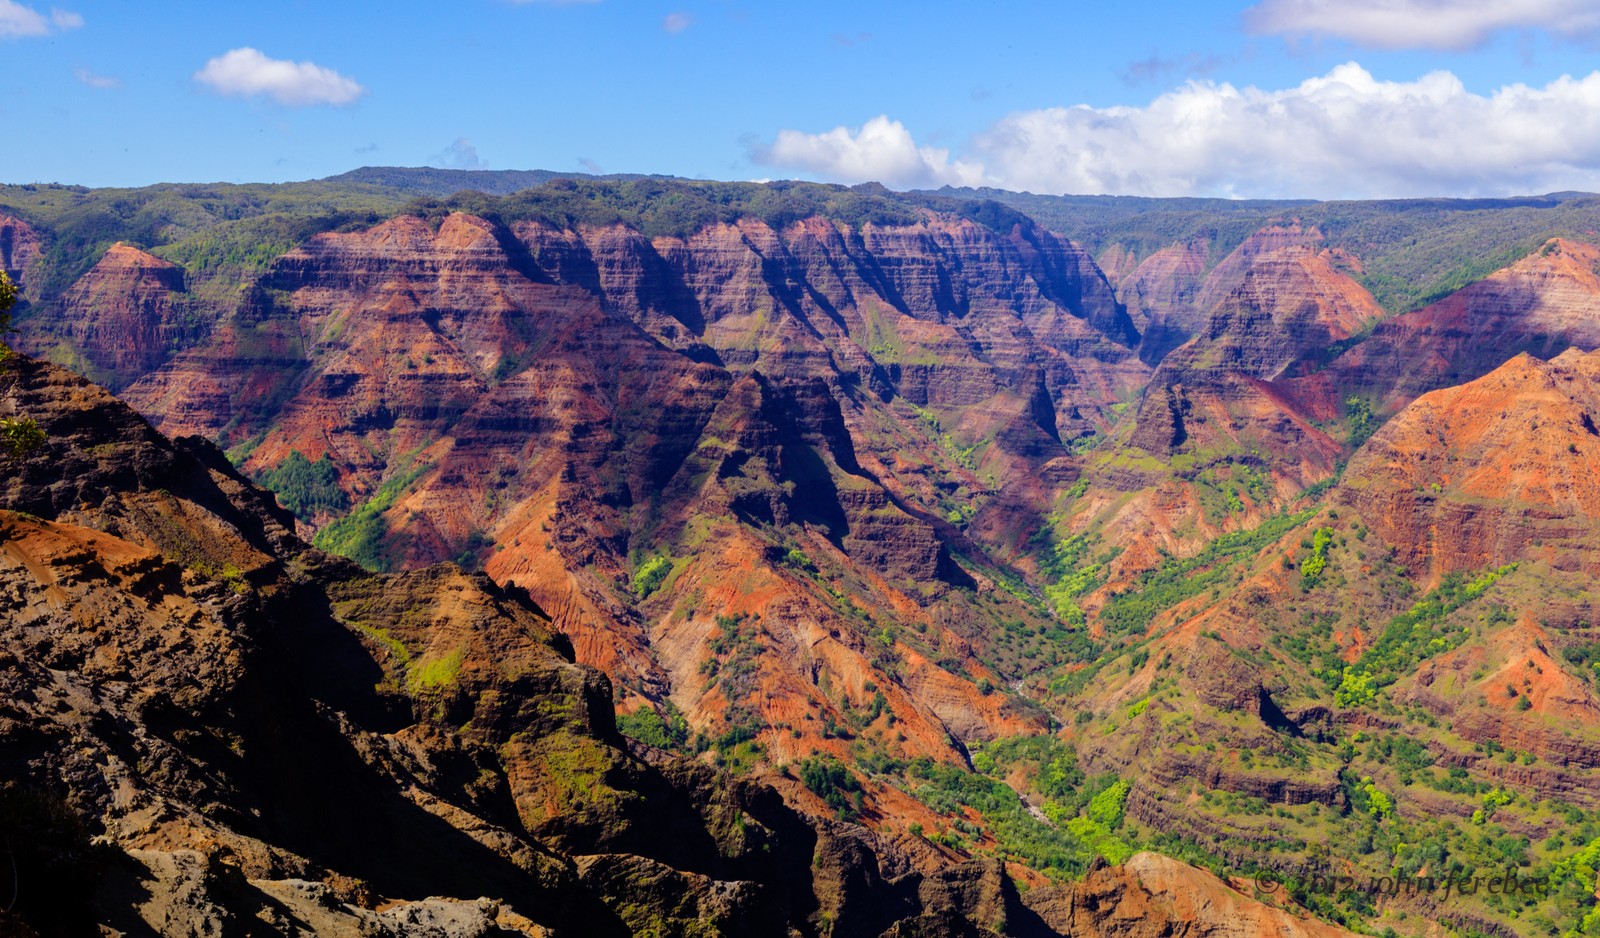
(899, 545)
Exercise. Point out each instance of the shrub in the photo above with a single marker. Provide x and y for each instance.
(305, 487)
(20, 436)
(668, 729)
(649, 577)
(833, 783)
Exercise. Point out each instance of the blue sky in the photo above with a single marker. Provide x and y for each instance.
(1355, 98)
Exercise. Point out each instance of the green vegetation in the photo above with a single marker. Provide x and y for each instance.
(834, 784)
(1586, 657)
(1078, 819)
(8, 299)
(1224, 487)
(1360, 420)
(797, 559)
(650, 575)
(1131, 611)
(305, 487)
(20, 436)
(1573, 881)
(1355, 688)
(667, 728)
(1420, 632)
(432, 673)
(677, 208)
(1373, 800)
(363, 535)
(1315, 562)
(1069, 572)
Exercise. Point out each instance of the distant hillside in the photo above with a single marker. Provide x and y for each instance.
(1413, 250)
(431, 181)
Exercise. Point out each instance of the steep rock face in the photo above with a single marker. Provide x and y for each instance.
(906, 306)
(250, 722)
(128, 314)
(1152, 896)
(1172, 292)
(1489, 472)
(19, 250)
(1162, 296)
(1117, 262)
(1542, 304)
(1216, 391)
(500, 392)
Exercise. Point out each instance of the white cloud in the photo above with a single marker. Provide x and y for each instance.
(1429, 24)
(882, 150)
(246, 72)
(95, 81)
(1342, 135)
(676, 22)
(18, 20)
(461, 154)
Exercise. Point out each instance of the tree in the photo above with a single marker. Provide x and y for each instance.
(8, 296)
(18, 435)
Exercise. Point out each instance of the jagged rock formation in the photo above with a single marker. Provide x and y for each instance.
(266, 740)
(569, 402)
(889, 495)
(1495, 470)
(19, 249)
(1542, 305)
(1216, 392)
(127, 315)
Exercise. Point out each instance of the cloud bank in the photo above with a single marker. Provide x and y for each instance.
(1422, 24)
(246, 72)
(1341, 135)
(881, 150)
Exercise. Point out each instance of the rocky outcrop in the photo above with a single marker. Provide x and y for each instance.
(255, 730)
(1162, 295)
(902, 305)
(1490, 472)
(1152, 896)
(1172, 292)
(1542, 305)
(1217, 393)
(128, 314)
(19, 251)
